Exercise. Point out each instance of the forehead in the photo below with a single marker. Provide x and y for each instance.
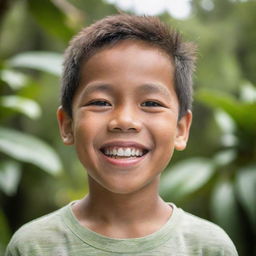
(128, 62)
(125, 50)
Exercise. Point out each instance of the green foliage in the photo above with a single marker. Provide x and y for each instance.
(24, 147)
(10, 174)
(51, 19)
(224, 208)
(22, 105)
(17, 146)
(14, 79)
(242, 113)
(185, 178)
(43, 61)
(236, 187)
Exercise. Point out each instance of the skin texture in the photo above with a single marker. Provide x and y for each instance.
(126, 95)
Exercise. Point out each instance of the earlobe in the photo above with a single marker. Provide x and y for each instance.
(65, 126)
(183, 128)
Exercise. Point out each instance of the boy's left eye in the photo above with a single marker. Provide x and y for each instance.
(151, 104)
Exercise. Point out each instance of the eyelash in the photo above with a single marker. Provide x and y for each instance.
(99, 103)
(152, 104)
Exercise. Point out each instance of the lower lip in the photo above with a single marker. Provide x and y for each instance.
(123, 162)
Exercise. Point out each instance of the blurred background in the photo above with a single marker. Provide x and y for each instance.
(215, 177)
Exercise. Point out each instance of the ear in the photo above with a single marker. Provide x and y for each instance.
(183, 128)
(65, 126)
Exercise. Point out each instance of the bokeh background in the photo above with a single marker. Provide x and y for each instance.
(215, 177)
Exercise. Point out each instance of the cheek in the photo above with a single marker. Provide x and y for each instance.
(88, 129)
(83, 135)
(87, 126)
(163, 132)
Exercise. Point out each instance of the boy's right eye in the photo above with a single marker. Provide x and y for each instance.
(99, 103)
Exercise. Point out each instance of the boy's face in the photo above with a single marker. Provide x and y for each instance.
(125, 117)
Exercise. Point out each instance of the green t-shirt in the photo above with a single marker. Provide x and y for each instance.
(60, 234)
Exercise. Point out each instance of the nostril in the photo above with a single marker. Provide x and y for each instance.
(124, 124)
(124, 129)
(133, 129)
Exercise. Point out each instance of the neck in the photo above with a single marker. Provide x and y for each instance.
(103, 208)
(126, 207)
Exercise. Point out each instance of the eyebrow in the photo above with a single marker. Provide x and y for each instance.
(148, 88)
(90, 88)
(154, 88)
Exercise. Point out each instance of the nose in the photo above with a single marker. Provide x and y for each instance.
(124, 119)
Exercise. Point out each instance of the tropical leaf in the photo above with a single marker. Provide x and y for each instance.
(248, 92)
(51, 19)
(224, 157)
(242, 113)
(43, 61)
(225, 122)
(14, 79)
(27, 148)
(224, 208)
(185, 178)
(22, 105)
(10, 174)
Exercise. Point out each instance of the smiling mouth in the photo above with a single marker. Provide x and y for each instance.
(123, 152)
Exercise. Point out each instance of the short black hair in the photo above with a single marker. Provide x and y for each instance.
(111, 30)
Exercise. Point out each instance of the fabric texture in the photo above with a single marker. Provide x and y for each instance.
(60, 234)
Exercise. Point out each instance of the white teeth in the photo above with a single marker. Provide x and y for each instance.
(137, 153)
(120, 152)
(127, 152)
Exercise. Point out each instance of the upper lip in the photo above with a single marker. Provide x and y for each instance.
(124, 144)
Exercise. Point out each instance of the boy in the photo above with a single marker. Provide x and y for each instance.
(126, 100)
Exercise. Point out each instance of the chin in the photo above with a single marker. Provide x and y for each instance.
(126, 188)
(121, 189)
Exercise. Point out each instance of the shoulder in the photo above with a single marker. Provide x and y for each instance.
(209, 236)
(36, 232)
(48, 223)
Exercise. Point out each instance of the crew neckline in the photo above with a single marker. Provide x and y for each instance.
(122, 245)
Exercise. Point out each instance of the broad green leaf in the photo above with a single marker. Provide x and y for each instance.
(185, 178)
(15, 80)
(224, 121)
(22, 105)
(229, 140)
(246, 190)
(224, 208)
(10, 175)
(228, 127)
(225, 157)
(51, 19)
(242, 113)
(43, 61)
(248, 93)
(27, 148)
